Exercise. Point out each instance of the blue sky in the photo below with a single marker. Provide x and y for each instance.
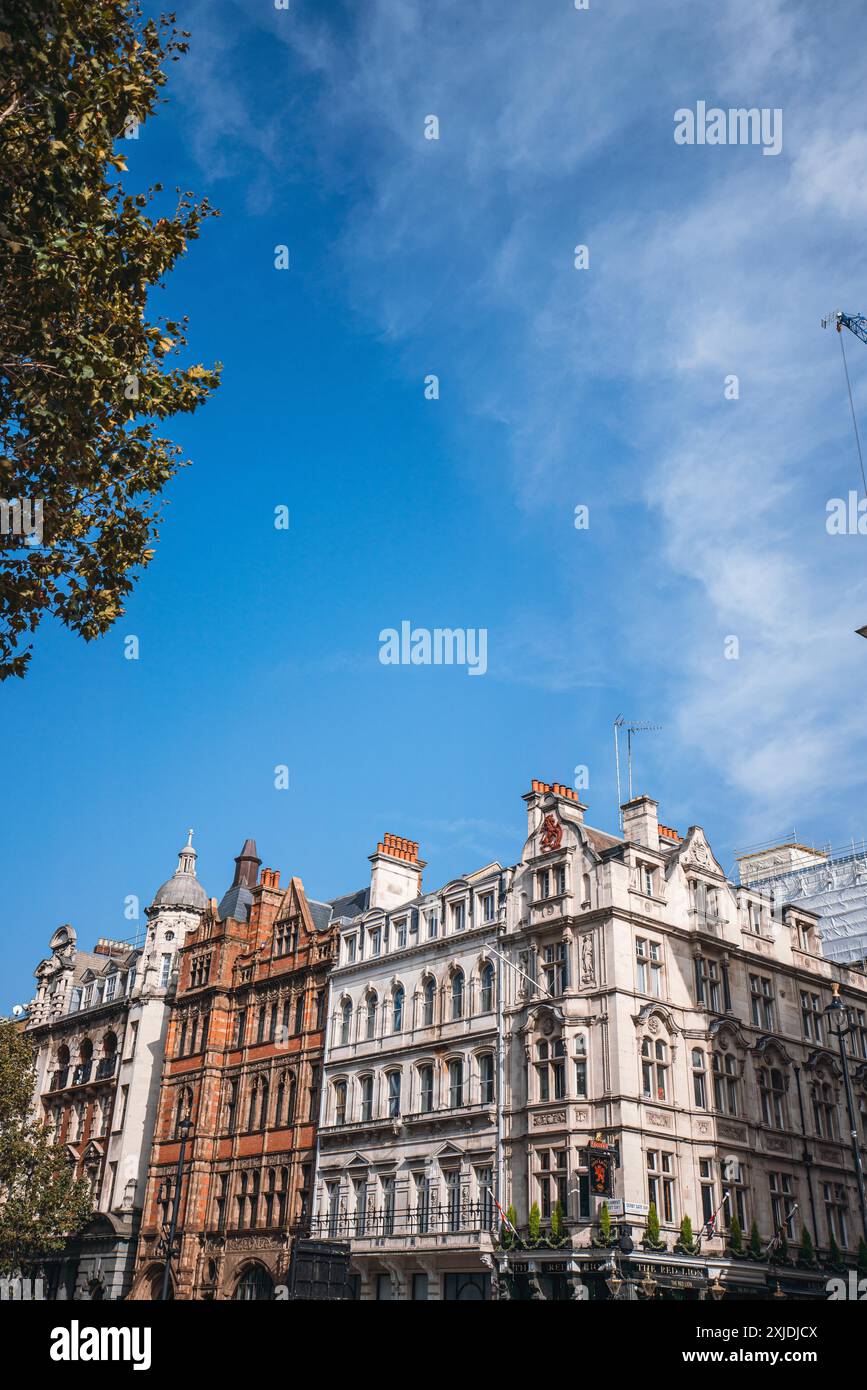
(558, 387)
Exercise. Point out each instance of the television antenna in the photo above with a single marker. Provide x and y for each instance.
(632, 726)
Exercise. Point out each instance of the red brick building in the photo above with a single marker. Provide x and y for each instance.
(244, 1062)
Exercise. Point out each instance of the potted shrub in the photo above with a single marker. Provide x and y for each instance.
(557, 1235)
(736, 1237)
(754, 1248)
(534, 1225)
(686, 1243)
(651, 1240)
(835, 1259)
(806, 1252)
(508, 1239)
(604, 1237)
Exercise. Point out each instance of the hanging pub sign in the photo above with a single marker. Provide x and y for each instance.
(599, 1163)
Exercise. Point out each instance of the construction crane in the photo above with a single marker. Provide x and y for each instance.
(857, 324)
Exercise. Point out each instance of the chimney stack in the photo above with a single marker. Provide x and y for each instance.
(395, 873)
(641, 821)
(567, 802)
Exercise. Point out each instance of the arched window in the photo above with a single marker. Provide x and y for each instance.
(772, 1089)
(458, 994)
(281, 1096)
(345, 1021)
(371, 1004)
(825, 1111)
(654, 1069)
(725, 1083)
(486, 980)
(183, 1108)
(393, 1094)
(255, 1284)
(456, 1082)
(290, 1108)
(486, 1078)
(397, 1009)
(699, 1082)
(263, 1103)
(551, 1069)
(425, 1088)
(429, 994)
(339, 1102)
(366, 1098)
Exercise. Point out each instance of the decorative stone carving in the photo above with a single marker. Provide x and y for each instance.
(549, 1117)
(659, 1118)
(588, 973)
(552, 834)
(727, 1131)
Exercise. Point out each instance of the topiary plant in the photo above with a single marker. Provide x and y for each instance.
(806, 1252)
(535, 1222)
(651, 1232)
(834, 1256)
(507, 1231)
(686, 1239)
(557, 1224)
(861, 1257)
(736, 1237)
(605, 1226)
(754, 1248)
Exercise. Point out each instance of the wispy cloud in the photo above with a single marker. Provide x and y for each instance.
(556, 128)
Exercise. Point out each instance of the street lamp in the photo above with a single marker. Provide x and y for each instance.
(717, 1291)
(839, 1019)
(183, 1129)
(614, 1283)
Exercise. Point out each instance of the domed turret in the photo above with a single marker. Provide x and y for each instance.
(183, 888)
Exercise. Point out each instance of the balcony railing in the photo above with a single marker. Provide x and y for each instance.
(105, 1067)
(445, 1219)
(58, 1079)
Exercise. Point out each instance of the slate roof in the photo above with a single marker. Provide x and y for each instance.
(235, 903)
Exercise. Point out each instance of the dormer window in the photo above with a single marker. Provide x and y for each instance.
(648, 879)
(400, 935)
(543, 884)
(459, 916)
(349, 949)
(487, 907)
(110, 986)
(375, 941)
(433, 925)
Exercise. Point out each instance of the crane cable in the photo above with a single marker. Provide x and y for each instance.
(852, 408)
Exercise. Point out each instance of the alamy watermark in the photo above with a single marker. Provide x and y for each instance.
(739, 125)
(846, 517)
(21, 516)
(439, 646)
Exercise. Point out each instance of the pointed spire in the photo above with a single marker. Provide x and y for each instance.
(247, 865)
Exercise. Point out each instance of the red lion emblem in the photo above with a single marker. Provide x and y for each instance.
(552, 834)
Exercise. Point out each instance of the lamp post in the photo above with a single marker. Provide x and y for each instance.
(839, 1020)
(184, 1127)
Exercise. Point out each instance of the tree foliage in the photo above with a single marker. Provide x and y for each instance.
(42, 1203)
(84, 377)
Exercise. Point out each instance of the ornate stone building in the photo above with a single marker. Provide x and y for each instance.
(409, 1137)
(654, 1006)
(243, 1064)
(98, 1025)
